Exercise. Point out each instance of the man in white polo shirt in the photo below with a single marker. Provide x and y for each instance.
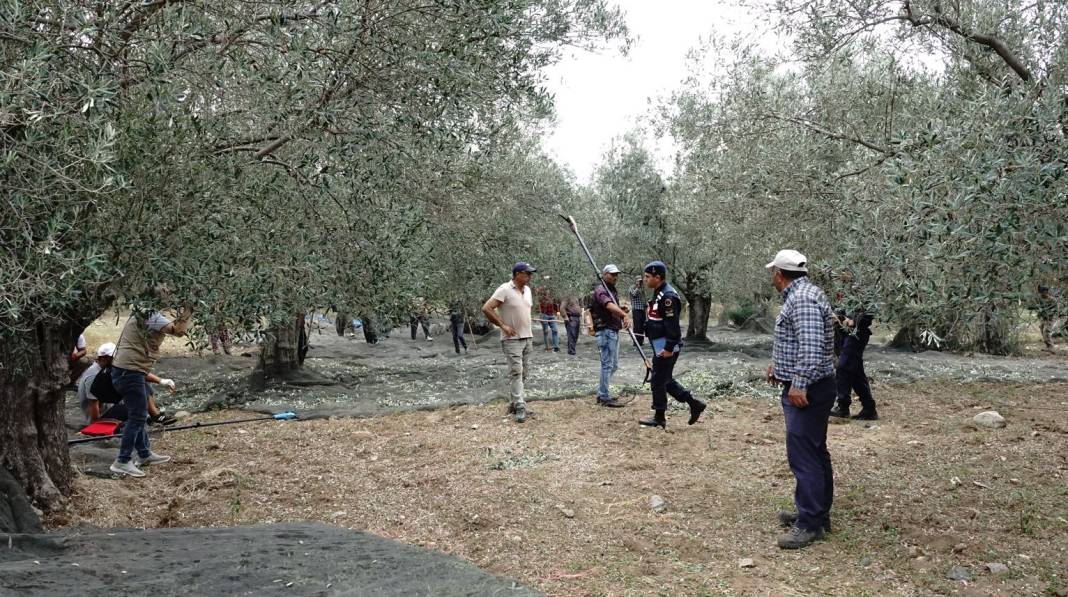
(509, 309)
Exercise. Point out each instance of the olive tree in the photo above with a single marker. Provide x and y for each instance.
(251, 155)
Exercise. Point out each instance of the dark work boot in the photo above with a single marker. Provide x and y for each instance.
(867, 414)
(696, 408)
(789, 519)
(796, 538)
(657, 420)
(840, 411)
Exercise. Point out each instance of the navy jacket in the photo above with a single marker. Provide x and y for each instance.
(854, 342)
(662, 317)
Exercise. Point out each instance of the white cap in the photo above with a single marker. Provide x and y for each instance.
(106, 350)
(610, 269)
(789, 260)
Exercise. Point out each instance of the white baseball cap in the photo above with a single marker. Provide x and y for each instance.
(106, 349)
(610, 269)
(789, 260)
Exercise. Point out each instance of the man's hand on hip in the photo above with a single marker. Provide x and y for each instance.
(508, 331)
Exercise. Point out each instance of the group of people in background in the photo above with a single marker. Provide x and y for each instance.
(817, 359)
(803, 363)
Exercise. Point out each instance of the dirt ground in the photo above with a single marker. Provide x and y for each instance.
(562, 503)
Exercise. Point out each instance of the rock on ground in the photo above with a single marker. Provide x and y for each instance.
(291, 559)
(989, 418)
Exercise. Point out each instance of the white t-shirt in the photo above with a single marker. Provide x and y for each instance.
(514, 309)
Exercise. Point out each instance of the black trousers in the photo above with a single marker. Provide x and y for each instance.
(663, 383)
(420, 320)
(572, 324)
(852, 378)
(639, 325)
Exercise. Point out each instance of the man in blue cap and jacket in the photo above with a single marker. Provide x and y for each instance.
(665, 335)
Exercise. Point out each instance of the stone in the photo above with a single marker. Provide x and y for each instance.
(658, 504)
(567, 512)
(958, 573)
(996, 568)
(990, 419)
(960, 547)
(746, 563)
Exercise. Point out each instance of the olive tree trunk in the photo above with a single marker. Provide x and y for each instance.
(700, 309)
(33, 437)
(282, 352)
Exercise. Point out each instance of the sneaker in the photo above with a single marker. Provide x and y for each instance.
(520, 413)
(866, 415)
(610, 403)
(556, 350)
(429, 339)
(696, 408)
(796, 538)
(162, 419)
(840, 412)
(653, 422)
(789, 519)
(152, 458)
(126, 468)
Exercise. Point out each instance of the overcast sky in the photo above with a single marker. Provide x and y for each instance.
(601, 96)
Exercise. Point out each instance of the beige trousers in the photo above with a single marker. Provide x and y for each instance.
(517, 353)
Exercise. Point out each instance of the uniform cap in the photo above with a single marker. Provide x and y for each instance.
(657, 268)
(789, 260)
(522, 266)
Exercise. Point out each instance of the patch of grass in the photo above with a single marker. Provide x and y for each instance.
(509, 460)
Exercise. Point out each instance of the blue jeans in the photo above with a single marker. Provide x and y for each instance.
(608, 343)
(132, 387)
(545, 327)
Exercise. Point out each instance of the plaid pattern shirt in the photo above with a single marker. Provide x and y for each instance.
(804, 335)
(637, 300)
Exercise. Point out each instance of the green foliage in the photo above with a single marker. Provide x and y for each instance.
(940, 182)
(260, 158)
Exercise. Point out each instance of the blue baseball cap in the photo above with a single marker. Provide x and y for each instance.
(522, 266)
(657, 268)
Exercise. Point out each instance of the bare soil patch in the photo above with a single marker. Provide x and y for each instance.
(562, 503)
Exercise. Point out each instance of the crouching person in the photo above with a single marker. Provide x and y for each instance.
(136, 354)
(94, 392)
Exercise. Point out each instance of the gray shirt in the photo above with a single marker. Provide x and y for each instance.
(85, 382)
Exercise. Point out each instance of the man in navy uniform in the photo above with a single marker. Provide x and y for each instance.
(803, 363)
(664, 334)
(849, 370)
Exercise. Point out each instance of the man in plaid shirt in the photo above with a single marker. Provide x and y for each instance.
(637, 309)
(803, 363)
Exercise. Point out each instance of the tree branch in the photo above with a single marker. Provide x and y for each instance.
(812, 126)
(990, 41)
